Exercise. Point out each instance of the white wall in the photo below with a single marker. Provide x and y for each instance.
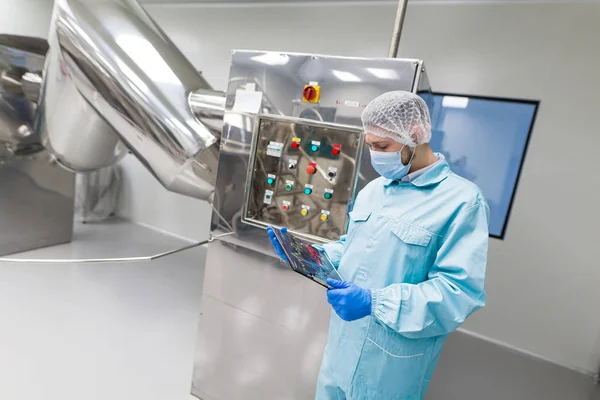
(26, 17)
(543, 278)
(145, 200)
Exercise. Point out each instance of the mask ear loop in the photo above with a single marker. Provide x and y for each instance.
(412, 157)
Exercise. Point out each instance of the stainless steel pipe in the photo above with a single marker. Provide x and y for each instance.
(398, 25)
(113, 80)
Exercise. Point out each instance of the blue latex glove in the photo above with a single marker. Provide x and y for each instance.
(349, 301)
(276, 244)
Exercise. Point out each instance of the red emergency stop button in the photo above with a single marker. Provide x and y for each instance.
(337, 149)
(311, 94)
(312, 168)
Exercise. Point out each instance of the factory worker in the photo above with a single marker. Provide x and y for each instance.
(413, 261)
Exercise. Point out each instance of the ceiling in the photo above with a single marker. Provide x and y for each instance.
(215, 2)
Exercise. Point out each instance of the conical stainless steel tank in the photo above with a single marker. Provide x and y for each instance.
(114, 81)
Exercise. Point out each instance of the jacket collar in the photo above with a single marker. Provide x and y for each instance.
(433, 176)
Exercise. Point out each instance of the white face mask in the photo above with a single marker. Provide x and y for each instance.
(389, 164)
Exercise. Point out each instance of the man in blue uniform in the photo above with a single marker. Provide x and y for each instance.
(414, 261)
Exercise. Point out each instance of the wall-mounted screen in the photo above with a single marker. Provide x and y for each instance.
(485, 140)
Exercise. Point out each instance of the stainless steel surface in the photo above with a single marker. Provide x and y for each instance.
(209, 107)
(31, 84)
(262, 326)
(259, 339)
(398, 25)
(290, 169)
(36, 203)
(19, 57)
(112, 74)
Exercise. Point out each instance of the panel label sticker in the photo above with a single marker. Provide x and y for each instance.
(247, 101)
(268, 197)
(274, 149)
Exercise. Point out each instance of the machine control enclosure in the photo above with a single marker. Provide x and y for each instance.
(317, 190)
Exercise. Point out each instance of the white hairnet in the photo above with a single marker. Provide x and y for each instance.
(401, 116)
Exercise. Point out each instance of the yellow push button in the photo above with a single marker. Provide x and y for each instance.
(323, 217)
(304, 212)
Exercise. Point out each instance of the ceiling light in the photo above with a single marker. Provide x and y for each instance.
(383, 73)
(346, 76)
(455, 102)
(272, 58)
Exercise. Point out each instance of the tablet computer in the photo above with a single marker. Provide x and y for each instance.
(307, 259)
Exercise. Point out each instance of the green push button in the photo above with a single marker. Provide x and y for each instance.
(270, 181)
(327, 195)
(288, 187)
(307, 191)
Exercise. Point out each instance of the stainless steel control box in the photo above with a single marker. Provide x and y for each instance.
(276, 101)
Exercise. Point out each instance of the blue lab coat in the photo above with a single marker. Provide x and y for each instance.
(421, 248)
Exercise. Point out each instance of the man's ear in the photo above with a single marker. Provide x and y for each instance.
(417, 134)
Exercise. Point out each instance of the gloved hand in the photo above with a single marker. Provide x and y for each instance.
(276, 244)
(349, 301)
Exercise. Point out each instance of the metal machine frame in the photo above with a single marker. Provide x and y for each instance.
(36, 195)
(263, 327)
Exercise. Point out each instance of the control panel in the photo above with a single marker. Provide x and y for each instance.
(303, 175)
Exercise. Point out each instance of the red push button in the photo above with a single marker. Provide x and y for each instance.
(285, 207)
(295, 145)
(337, 149)
(312, 168)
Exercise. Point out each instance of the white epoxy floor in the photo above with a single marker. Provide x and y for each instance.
(127, 331)
(118, 331)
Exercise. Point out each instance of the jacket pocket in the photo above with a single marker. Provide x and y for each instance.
(357, 221)
(392, 366)
(359, 216)
(411, 234)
